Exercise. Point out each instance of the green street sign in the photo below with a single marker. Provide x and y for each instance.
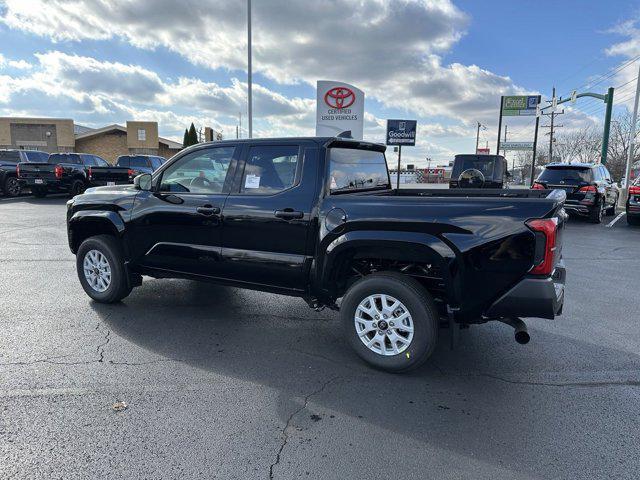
(517, 105)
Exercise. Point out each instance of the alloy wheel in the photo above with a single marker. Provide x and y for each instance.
(384, 324)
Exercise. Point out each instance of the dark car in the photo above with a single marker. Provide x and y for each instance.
(318, 218)
(633, 203)
(590, 190)
(138, 164)
(9, 160)
(62, 173)
(478, 171)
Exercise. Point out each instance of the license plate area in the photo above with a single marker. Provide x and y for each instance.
(39, 181)
(110, 184)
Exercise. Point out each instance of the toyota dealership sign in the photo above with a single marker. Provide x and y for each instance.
(339, 107)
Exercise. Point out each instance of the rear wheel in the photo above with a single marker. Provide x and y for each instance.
(100, 267)
(597, 213)
(39, 192)
(77, 187)
(390, 320)
(12, 187)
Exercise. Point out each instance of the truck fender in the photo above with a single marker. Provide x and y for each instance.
(86, 223)
(406, 246)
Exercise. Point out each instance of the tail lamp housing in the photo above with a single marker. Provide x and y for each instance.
(537, 186)
(58, 171)
(546, 231)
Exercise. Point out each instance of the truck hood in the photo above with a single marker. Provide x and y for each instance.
(120, 189)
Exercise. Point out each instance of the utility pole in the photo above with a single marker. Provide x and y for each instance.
(632, 138)
(249, 83)
(551, 127)
(506, 128)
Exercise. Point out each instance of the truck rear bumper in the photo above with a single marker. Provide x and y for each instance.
(533, 297)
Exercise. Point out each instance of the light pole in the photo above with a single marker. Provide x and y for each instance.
(249, 86)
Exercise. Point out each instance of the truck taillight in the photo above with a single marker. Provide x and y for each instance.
(537, 186)
(546, 230)
(58, 171)
(18, 171)
(131, 173)
(588, 189)
(634, 190)
(90, 173)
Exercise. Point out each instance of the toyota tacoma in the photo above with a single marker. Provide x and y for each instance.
(317, 218)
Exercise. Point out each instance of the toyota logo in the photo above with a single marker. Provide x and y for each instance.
(339, 97)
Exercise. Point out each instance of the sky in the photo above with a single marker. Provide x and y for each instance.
(444, 63)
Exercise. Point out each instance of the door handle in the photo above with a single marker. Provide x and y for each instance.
(288, 214)
(208, 210)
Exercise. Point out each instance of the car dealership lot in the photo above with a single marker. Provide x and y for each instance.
(226, 383)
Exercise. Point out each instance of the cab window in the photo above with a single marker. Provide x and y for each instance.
(270, 169)
(203, 171)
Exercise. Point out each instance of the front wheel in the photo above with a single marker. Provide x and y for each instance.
(390, 320)
(100, 267)
(12, 187)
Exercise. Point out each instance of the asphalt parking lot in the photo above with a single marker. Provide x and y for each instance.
(226, 383)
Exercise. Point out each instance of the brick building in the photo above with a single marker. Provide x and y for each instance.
(62, 135)
(137, 137)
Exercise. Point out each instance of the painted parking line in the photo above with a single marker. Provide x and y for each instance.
(613, 222)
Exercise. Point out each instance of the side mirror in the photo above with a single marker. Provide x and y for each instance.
(142, 181)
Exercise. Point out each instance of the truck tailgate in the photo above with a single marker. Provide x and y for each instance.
(39, 171)
(109, 175)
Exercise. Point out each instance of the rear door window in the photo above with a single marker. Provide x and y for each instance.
(270, 169)
(155, 163)
(88, 161)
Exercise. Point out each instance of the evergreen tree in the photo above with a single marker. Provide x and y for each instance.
(193, 135)
(185, 138)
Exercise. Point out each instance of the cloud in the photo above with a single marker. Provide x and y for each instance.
(392, 50)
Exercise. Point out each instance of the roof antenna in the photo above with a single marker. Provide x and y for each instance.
(345, 134)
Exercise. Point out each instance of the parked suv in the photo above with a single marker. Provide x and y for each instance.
(479, 171)
(62, 173)
(633, 203)
(590, 190)
(9, 159)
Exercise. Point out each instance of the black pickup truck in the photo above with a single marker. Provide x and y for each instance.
(62, 173)
(317, 218)
(9, 160)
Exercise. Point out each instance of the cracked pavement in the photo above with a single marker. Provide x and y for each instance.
(225, 383)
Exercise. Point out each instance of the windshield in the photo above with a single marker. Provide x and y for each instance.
(483, 163)
(565, 175)
(352, 169)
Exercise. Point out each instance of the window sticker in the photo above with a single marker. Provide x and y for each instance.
(252, 181)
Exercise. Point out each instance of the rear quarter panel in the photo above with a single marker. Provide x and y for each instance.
(491, 247)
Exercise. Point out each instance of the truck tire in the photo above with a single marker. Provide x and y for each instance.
(11, 187)
(77, 187)
(101, 270)
(39, 192)
(597, 212)
(633, 220)
(390, 320)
